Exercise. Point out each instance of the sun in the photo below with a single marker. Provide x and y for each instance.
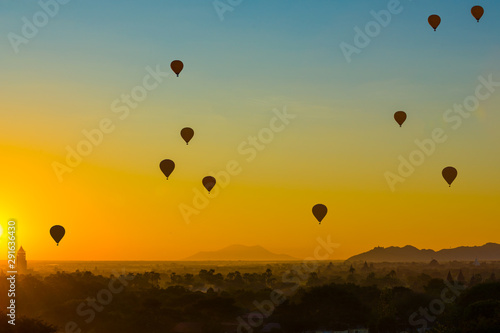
(1, 230)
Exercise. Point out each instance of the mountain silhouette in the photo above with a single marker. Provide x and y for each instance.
(240, 252)
(487, 252)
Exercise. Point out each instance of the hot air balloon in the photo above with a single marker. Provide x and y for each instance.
(434, 21)
(57, 232)
(400, 117)
(319, 211)
(167, 166)
(209, 183)
(177, 66)
(477, 12)
(449, 174)
(187, 134)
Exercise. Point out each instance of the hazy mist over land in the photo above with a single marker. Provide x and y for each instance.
(240, 252)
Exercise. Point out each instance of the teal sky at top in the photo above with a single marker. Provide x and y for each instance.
(263, 55)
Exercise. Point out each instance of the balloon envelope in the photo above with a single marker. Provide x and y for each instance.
(400, 117)
(57, 232)
(434, 21)
(449, 174)
(477, 12)
(209, 183)
(167, 166)
(319, 211)
(177, 66)
(187, 134)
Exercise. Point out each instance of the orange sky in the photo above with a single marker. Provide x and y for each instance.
(335, 148)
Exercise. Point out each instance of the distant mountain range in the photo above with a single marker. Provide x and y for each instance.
(240, 252)
(489, 251)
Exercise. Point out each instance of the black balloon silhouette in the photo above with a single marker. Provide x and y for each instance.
(187, 134)
(57, 232)
(434, 21)
(319, 211)
(477, 12)
(400, 117)
(167, 166)
(449, 174)
(209, 183)
(177, 66)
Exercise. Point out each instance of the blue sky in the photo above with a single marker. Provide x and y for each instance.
(264, 55)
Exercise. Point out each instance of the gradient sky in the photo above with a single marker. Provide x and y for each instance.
(117, 205)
